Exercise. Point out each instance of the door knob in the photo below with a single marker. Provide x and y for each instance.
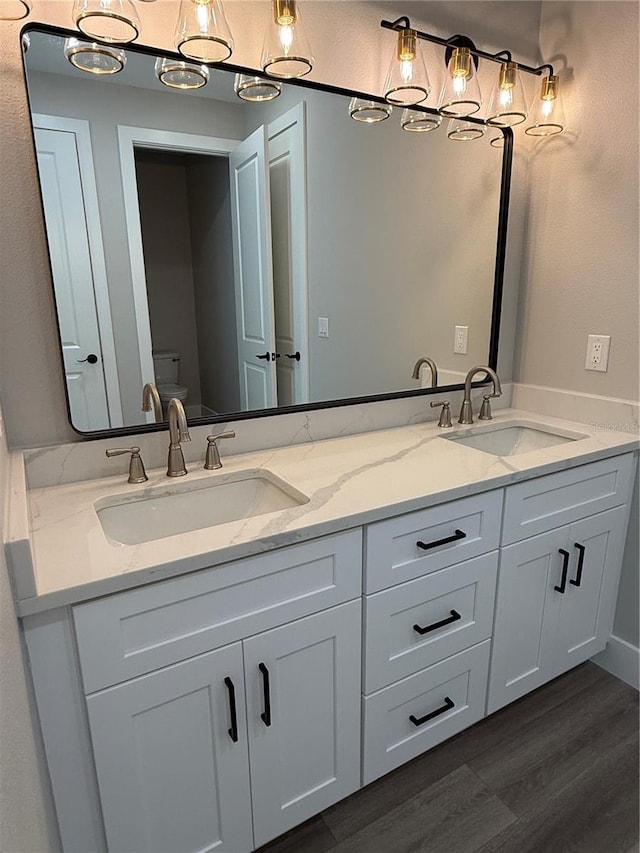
(295, 355)
(92, 358)
(265, 357)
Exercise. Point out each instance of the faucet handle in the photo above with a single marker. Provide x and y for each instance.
(445, 414)
(485, 411)
(213, 461)
(137, 474)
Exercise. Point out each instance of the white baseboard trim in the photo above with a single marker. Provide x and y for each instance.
(622, 660)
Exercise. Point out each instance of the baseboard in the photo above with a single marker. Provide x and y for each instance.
(622, 660)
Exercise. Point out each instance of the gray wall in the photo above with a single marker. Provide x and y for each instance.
(212, 253)
(166, 240)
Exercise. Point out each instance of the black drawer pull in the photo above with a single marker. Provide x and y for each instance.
(578, 577)
(266, 714)
(453, 618)
(448, 705)
(565, 568)
(233, 731)
(425, 546)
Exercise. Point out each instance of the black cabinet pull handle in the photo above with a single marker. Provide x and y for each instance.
(578, 577)
(265, 357)
(295, 355)
(233, 731)
(448, 704)
(425, 546)
(565, 568)
(266, 714)
(453, 618)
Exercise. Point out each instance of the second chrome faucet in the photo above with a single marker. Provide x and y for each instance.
(178, 431)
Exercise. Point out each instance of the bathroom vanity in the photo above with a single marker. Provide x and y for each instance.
(212, 689)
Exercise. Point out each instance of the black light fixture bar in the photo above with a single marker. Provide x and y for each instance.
(404, 23)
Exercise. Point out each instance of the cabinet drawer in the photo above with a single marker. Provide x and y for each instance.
(391, 737)
(393, 555)
(135, 632)
(461, 596)
(536, 506)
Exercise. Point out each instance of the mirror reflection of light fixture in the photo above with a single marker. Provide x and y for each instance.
(110, 21)
(419, 122)
(180, 75)
(14, 10)
(202, 32)
(465, 131)
(93, 57)
(286, 52)
(507, 105)
(460, 94)
(547, 113)
(407, 81)
(256, 89)
(369, 112)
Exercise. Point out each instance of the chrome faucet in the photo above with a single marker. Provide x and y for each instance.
(151, 399)
(432, 366)
(178, 431)
(466, 412)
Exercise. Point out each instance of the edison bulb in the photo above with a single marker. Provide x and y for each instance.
(459, 84)
(406, 70)
(506, 97)
(285, 35)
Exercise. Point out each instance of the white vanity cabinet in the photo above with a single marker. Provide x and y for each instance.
(557, 590)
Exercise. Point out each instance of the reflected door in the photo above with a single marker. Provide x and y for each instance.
(71, 266)
(253, 275)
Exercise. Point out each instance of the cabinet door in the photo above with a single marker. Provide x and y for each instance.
(526, 619)
(303, 714)
(171, 777)
(587, 607)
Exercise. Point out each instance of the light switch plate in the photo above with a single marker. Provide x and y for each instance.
(598, 353)
(461, 340)
(323, 327)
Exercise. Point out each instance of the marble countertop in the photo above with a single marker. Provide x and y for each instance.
(60, 555)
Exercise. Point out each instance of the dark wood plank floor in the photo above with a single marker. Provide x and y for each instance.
(556, 772)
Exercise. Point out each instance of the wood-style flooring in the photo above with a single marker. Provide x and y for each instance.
(555, 772)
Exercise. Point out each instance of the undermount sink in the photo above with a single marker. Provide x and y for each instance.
(181, 508)
(512, 437)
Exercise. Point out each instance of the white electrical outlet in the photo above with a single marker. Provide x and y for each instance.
(597, 353)
(323, 327)
(461, 340)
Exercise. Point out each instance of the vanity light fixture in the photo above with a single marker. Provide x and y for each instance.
(14, 10)
(202, 32)
(507, 105)
(109, 21)
(256, 89)
(461, 130)
(407, 82)
(181, 75)
(547, 113)
(93, 57)
(286, 52)
(416, 121)
(369, 112)
(460, 94)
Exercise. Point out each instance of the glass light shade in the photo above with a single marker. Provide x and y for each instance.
(419, 122)
(110, 21)
(465, 131)
(460, 93)
(369, 112)
(93, 57)
(407, 81)
(14, 10)
(202, 32)
(180, 75)
(547, 113)
(496, 140)
(507, 104)
(256, 89)
(286, 52)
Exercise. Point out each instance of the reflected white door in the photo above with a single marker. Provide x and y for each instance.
(253, 272)
(71, 266)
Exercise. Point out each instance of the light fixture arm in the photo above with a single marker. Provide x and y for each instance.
(460, 40)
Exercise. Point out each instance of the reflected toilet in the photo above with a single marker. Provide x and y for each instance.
(166, 365)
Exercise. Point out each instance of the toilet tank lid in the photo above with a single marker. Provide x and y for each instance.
(173, 355)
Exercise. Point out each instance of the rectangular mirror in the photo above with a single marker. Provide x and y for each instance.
(246, 256)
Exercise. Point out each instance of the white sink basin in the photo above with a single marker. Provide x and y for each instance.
(181, 508)
(512, 437)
